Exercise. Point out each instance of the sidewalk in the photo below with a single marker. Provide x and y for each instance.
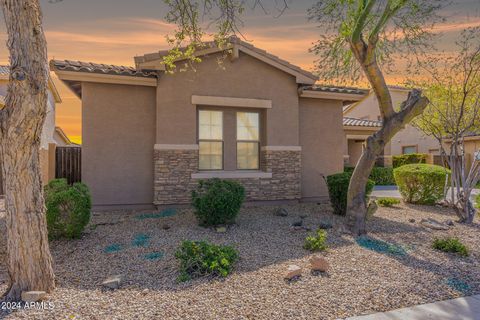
(467, 308)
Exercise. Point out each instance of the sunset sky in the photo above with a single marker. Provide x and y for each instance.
(113, 31)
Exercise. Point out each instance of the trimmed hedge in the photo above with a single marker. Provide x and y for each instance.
(412, 158)
(338, 190)
(217, 201)
(421, 183)
(382, 176)
(68, 208)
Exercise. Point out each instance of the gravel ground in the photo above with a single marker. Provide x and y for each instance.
(360, 280)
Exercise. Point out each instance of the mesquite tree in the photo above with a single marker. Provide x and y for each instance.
(21, 121)
(362, 39)
(453, 115)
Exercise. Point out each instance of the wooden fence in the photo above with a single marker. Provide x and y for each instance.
(68, 163)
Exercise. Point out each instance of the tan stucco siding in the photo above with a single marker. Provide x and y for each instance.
(118, 134)
(411, 136)
(321, 138)
(246, 77)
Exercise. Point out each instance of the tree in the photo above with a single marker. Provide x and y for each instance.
(28, 255)
(453, 88)
(363, 38)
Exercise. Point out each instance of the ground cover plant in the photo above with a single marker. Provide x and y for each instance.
(201, 258)
(387, 202)
(451, 245)
(317, 242)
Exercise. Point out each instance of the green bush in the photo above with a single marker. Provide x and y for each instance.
(317, 242)
(387, 202)
(338, 189)
(453, 245)
(477, 201)
(421, 183)
(381, 176)
(412, 158)
(68, 208)
(217, 201)
(200, 258)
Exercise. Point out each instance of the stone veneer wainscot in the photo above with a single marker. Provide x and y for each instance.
(175, 164)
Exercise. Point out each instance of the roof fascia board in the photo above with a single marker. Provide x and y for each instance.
(105, 78)
(330, 95)
(361, 128)
(231, 102)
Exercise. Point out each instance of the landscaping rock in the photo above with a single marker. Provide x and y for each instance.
(293, 271)
(113, 282)
(325, 225)
(297, 223)
(221, 229)
(411, 220)
(165, 227)
(343, 229)
(372, 208)
(319, 263)
(449, 223)
(281, 212)
(433, 224)
(33, 296)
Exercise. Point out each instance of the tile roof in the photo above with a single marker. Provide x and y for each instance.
(79, 66)
(335, 89)
(233, 40)
(353, 122)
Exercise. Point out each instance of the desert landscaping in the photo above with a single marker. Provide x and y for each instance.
(394, 267)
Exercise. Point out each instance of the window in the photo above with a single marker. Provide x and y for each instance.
(210, 140)
(248, 140)
(409, 149)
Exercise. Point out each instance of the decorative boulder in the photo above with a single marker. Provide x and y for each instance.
(433, 224)
(112, 282)
(293, 271)
(319, 263)
(281, 212)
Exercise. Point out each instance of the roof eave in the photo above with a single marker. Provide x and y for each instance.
(330, 95)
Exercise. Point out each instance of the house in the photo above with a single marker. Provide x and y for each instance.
(149, 136)
(61, 139)
(47, 139)
(408, 140)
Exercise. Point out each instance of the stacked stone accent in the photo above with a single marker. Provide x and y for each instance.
(173, 183)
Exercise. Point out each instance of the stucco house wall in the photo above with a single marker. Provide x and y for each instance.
(118, 134)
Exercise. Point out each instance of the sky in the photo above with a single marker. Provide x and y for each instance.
(114, 31)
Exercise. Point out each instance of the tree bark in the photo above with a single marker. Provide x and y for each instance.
(356, 198)
(21, 121)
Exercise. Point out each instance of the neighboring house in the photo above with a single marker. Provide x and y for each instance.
(47, 141)
(148, 137)
(356, 131)
(408, 140)
(61, 139)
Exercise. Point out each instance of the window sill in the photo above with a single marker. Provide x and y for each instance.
(238, 174)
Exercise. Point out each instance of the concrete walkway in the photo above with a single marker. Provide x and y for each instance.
(467, 308)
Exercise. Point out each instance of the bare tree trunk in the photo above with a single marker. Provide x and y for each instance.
(21, 121)
(356, 199)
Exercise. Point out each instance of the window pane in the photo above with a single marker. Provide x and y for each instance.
(210, 125)
(408, 150)
(247, 155)
(210, 155)
(247, 126)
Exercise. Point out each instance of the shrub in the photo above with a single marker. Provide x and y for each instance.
(382, 176)
(68, 208)
(453, 245)
(477, 201)
(217, 201)
(421, 183)
(387, 202)
(338, 189)
(317, 242)
(200, 258)
(412, 158)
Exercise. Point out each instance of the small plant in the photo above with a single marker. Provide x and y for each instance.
(317, 242)
(217, 201)
(200, 258)
(387, 202)
(421, 183)
(477, 201)
(68, 208)
(453, 245)
(338, 189)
